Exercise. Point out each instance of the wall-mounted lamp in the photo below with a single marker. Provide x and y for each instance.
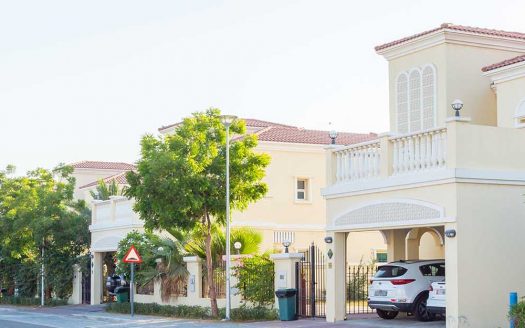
(451, 233)
(333, 136)
(457, 105)
(286, 244)
(328, 240)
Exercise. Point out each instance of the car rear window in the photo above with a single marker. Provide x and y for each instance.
(390, 271)
(433, 270)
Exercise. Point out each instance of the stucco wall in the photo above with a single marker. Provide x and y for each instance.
(490, 243)
(510, 94)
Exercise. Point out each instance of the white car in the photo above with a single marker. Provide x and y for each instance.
(403, 286)
(436, 302)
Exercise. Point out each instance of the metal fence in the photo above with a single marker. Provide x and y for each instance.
(219, 277)
(310, 283)
(357, 281)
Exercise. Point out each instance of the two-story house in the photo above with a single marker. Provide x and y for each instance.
(459, 179)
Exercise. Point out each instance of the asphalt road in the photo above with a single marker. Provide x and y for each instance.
(95, 317)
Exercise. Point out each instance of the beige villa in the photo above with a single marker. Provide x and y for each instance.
(437, 172)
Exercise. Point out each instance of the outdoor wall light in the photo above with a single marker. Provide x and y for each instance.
(451, 233)
(286, 244)
(457, 105)
(328, 240)
(237, 245)
(333, 136)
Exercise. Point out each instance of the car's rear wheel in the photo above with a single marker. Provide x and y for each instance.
(420, 309)
(388, 315)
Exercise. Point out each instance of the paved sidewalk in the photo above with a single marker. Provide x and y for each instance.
(86, 316)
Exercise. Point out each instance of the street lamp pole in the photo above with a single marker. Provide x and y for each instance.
(227, 120)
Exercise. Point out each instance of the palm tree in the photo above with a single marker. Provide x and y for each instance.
(170, 270)
(104, 190)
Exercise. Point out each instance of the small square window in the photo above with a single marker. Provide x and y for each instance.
(381, 257)
(301, 189)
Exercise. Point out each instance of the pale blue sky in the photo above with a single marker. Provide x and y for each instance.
(86, 79)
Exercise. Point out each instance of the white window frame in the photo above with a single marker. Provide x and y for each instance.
(307, 190)
(519, 116)
(412, 129)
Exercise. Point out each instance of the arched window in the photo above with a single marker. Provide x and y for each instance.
(520, 115)
(428, 110)
(402, 103)
(416, 100)
(414, 93)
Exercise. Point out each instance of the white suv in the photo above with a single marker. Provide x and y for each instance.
(403, 286)
(437, 298)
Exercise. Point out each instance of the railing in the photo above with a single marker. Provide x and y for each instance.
(410, 153)
(359, 161)
(421, 151)
(117, 210)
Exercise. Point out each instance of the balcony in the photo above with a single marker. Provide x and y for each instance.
(457, 150)
(115, 213)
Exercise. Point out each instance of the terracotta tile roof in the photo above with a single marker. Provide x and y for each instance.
(276, 132)
(449, 26)
(103, 165)
(304, 136)
(120, 178)
(504, 63)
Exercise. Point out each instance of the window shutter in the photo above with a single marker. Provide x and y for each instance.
(414, 92)
(428, 98)
(402, 104)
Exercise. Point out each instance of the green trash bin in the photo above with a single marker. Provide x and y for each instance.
(122, 294)
(286, 299)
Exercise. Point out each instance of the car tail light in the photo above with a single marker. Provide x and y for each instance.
(371, 281)
(401, 281)
(430, 288)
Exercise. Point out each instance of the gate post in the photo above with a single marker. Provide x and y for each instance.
(335, 278)
(285, 270)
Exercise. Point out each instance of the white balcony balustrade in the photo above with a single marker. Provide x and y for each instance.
(359, 161)
(420, 151)
(388, 156)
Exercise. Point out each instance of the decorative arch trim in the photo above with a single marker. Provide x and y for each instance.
(391, 212)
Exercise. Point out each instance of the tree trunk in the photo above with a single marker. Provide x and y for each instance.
(209, 268)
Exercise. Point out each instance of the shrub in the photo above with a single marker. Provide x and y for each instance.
(243, 313)
(19, 300)
(517, 313)
(256, 280)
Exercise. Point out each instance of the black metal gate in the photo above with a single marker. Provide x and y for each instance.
(310, 284)
(357, 281)
(86, 284)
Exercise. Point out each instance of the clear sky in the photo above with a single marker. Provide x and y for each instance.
(86, 79)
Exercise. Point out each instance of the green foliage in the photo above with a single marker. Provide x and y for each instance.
(18, 300)
(256, 280)
(104, 190)
(38, 213)
(517, 314)
(180, 179)
(194, 312)
(171, 270)
(250, 242)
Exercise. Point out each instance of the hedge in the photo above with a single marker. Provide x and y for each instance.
(194, 312)
(19, 300)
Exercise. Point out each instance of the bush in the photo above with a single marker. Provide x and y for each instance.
(194, 312)
(19, 300)
(517, 313)
(256, 280)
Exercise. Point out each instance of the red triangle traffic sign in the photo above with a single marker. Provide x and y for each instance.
(132, 256)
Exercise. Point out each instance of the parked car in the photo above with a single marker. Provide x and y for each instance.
(403, 286)
(436, 302)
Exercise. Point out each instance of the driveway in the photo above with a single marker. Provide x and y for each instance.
(95, 317)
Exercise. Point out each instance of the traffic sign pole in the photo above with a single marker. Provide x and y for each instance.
(131, 288)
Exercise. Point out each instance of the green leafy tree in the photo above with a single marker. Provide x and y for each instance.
(180, 179)
(256, 280)
(38, 215)
(104, 190)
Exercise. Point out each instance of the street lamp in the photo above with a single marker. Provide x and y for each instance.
(227, 121)
(457, 105)
(333, 135)
(237, 245)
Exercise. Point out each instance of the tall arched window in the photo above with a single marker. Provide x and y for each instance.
(402, 103)
(416, 100)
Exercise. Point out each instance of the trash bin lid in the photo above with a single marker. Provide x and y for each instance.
(289, 292)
